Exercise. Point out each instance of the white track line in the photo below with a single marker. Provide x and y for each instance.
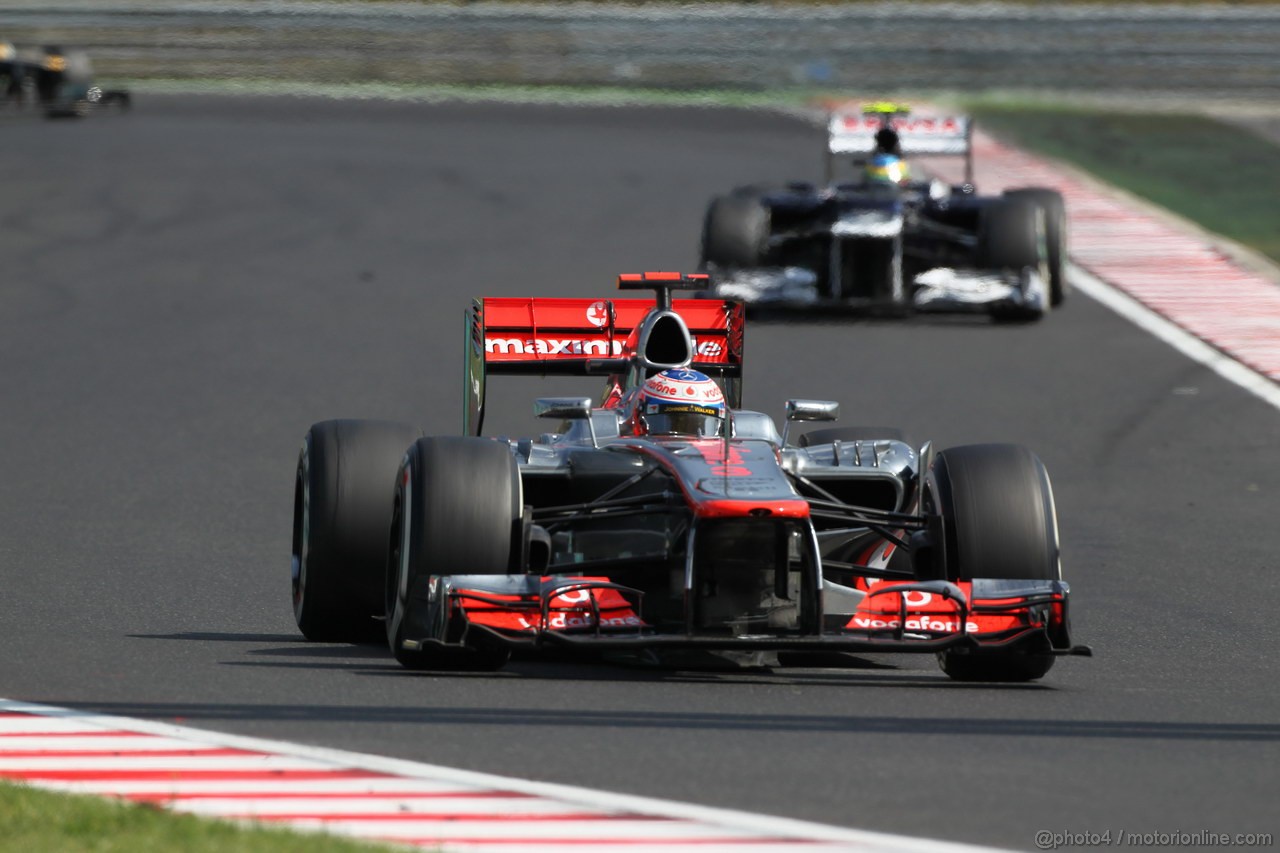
(191, 789)
(375, 805)
(433, 806)
(254, 762)
(1212, 300)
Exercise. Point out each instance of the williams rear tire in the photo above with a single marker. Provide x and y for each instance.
(734, 232)
(999, 522)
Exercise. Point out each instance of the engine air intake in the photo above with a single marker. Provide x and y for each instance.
(665, 342)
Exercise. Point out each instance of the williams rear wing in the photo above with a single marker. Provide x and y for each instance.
(854, 134)
(586, 337)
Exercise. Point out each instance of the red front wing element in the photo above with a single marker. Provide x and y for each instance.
(582, 606)
(895, 608)
(895, 616)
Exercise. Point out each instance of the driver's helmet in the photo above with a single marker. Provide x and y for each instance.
(887, 169)
(888, 142)
(680, 402)
(55, 59)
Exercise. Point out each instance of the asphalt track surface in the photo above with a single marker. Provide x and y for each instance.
(186, 288)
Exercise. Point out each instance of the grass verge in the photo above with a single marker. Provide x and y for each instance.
(620, 96)
(36, 821)
(1222, 177)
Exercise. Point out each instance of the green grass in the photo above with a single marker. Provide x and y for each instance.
(588, 95)
(35, 821)
(1220, 176)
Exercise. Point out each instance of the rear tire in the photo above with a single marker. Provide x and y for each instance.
(1055, 233)
(999, 522)
(343, 492)
(457, 510)
(734, 232)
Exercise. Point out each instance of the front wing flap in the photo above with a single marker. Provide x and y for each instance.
(593, 612)
(946, 290)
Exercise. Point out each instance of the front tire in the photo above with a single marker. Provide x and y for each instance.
(999, 522)
(1011, 238)
(1055, 234)
(457, 510)
(1011, 235)
(343, 488)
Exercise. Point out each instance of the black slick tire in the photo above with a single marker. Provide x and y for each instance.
(1055, 233)
(343, 490)
(1011, 238)
(457, 510)
(999, 522)
(1011, 234)
(734, 232)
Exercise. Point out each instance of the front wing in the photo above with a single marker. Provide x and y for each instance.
(528, 611)
(940, 290)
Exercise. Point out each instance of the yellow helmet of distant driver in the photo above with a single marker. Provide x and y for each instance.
(887, 169)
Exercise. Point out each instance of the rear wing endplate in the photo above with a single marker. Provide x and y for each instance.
(586, 337)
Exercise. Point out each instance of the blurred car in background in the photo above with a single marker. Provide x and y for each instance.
(57, 81)
(886, 241)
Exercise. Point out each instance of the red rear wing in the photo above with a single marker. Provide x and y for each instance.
(584, 337)
(539, 333)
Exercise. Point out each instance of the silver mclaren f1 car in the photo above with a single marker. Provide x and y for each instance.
(664, 522)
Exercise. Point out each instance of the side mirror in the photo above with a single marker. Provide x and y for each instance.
(809, 410)
(567, 409)
(813, 410)
(562, 408)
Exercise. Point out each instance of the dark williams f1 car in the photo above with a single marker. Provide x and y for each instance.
(666, 522)
(884, 241)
